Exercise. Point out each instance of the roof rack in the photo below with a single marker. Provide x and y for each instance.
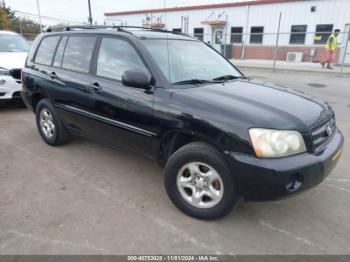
(116, 27)
(91, 27)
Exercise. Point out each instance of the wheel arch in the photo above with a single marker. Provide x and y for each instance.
(36, 98)
(172, 140)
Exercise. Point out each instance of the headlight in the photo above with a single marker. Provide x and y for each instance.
(270, 143)
(4, 72)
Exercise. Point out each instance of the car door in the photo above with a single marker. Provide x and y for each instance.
(70, 83)
(125, 113)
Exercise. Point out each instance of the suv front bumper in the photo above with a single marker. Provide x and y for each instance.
(272, 179)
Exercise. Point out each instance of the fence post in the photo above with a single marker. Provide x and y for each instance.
(347, 34)
(246, 34)
(225, 38)
(277, 38)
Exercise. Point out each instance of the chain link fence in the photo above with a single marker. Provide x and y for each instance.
(29, 37)
(302, 51)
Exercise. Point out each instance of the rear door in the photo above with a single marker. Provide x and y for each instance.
(70, 75)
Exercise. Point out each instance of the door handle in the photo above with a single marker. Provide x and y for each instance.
(96, 86)
(52, 74)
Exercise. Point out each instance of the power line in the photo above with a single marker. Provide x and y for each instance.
(94, 4)
(47, 17)
(83, 5)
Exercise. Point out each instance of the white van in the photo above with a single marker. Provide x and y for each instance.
(13, 53)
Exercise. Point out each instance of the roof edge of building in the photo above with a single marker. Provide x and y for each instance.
(200, 7)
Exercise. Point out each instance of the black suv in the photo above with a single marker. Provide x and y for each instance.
(219, 135)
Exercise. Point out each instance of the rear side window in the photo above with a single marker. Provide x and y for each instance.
(46, 50)
(78, 52)
(59, 53)
(116, 56)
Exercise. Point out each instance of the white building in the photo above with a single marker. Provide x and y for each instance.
(252, 26)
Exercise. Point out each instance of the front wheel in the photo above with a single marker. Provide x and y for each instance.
(199, 182)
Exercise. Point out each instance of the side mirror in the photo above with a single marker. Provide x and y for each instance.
(16, 73)
(136, 78)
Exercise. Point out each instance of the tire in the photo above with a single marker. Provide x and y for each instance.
(199, 182)
(49, 125)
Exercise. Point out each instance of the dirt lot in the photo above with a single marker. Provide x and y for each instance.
(85, 198)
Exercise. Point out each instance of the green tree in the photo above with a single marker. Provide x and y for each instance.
(4, 22)
(9, 20)
(10, 13)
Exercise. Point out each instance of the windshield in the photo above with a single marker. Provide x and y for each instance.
(13, 43)
(188, 60)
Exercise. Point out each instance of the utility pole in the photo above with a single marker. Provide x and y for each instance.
(90, 16)
(20, 25)
(41, 26)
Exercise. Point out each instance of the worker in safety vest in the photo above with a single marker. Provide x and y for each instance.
(331, 46)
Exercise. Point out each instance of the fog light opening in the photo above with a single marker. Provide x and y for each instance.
(294, 182)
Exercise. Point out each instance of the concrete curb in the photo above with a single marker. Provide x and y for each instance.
(330, 73)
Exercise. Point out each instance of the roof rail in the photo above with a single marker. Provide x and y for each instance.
(117, 27)
(73, 27)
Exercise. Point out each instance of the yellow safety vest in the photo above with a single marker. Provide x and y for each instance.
(332, 46)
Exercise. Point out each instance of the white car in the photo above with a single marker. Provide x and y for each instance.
(13, 53)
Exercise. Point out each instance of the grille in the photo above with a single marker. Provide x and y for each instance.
(322, 132)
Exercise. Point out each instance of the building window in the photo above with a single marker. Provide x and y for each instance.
(298, 34)
(198, 33)
(236, 34)
(322, 34)
(177, 30)
(256, 34)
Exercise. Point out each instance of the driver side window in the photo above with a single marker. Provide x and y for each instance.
(115, 56)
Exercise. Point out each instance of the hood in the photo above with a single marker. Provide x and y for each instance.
(10, 60)
(257, 104)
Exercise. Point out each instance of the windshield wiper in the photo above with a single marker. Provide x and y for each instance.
(228, 77)
(194, 82)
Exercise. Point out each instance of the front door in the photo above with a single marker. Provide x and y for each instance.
(126, 113)
(217, 38)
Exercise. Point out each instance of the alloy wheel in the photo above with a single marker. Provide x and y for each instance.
(200, 185)
(46, 123)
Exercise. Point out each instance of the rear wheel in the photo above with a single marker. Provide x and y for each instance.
(199, 181)
(50, 127)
